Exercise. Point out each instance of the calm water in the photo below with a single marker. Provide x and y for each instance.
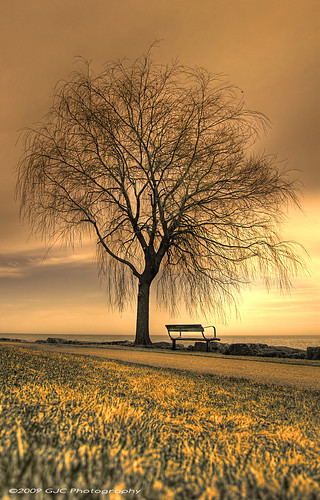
(301, 342)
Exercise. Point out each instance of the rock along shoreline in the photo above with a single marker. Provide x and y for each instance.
(235, 349)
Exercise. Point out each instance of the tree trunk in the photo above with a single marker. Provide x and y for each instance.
(142, 325)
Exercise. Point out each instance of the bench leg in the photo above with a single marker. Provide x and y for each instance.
(173, 344)
(207, 346)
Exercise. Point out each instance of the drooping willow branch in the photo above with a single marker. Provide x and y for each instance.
(156, 163)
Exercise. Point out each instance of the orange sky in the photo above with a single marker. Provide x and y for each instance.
(268, 48)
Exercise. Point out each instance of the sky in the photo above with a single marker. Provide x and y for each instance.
(269, 48)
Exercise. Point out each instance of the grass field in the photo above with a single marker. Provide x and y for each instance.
(84, 423)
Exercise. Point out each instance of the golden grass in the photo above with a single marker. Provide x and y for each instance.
(74, 421)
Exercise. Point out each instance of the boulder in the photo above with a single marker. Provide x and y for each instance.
(122, 342)
(99, 343)
(243, 349)
(162, 345)
(219, 347)
(199, 346)
(283, 352)
(216, 347)
(54, 340)
(4, 339)
(313, 352)
(264, 350)
(181, 347)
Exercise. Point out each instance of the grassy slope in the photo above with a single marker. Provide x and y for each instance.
(91, 423)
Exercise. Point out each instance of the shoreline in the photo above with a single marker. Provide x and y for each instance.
(242, 349)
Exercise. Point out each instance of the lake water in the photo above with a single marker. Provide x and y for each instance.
(297, 341)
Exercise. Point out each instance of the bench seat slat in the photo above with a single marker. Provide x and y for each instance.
(196, 339)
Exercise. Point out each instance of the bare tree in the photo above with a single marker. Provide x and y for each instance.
(156, 163)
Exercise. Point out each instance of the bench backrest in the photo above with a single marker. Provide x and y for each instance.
(189, 330)
(185, 328)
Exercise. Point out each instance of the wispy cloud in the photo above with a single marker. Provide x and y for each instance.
(19, 264)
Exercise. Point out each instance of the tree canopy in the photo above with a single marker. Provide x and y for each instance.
(157, 164)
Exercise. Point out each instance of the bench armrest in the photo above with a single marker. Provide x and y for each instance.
(214, 330)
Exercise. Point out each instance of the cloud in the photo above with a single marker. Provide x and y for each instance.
(22, 263)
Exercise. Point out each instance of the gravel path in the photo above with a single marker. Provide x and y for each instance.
(303, 376)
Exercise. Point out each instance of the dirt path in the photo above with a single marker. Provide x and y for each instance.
(306, 377)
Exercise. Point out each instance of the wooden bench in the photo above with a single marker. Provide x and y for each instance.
(181, 332)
